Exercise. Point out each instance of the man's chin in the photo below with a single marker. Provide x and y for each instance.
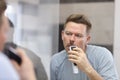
(1, 49)
(67, 49)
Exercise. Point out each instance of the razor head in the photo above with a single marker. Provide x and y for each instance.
(12, 54)
(72, 47)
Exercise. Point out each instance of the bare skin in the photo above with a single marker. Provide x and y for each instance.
(26, 69)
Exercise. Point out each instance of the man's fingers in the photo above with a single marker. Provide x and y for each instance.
(73, 53)
(73, 60)
(72, 57)
(16, 65)
(21, 53)
(78, 50)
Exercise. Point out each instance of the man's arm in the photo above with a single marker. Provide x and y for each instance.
(105, 65)
(26, 69)
(92, 74)
(7, 71)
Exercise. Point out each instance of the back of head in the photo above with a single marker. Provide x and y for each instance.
(3, 7)
(80, 19)
(3, 22)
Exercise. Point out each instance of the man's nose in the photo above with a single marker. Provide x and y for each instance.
(72, 38)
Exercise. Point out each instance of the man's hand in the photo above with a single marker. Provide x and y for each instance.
(25, 70)
(78, 56)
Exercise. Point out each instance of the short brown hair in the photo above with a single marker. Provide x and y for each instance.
(79, 18)
(3, 7)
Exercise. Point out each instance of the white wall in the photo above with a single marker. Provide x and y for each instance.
(117, 35)
(31, 1)
(12, 1)
(38, 31)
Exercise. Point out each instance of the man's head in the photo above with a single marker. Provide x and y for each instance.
(3, 7)
(3, 24)
(76, 31)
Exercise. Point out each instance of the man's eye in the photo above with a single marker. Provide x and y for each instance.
(68, 33)
(79, 35)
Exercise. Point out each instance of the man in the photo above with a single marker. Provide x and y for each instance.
(38, 66)
(84, 62)
(8, 70)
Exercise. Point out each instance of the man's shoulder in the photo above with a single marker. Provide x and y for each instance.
(59, 55)
(6, 68)
(98, 55)
(58, 58)
(3, 58)
(98, 51)
(30, 54)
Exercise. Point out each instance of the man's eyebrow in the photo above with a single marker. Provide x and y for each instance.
(66, 31)
(75, 33)
(79, 33)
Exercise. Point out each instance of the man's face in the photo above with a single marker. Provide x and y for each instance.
(75, 34)
(3, 32)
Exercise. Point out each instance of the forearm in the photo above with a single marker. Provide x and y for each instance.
(30, 75)
(92, 74)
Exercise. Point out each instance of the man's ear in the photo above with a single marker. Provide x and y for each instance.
(62, 34)
(88, 38)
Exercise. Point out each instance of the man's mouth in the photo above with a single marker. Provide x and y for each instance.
(68, 46)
